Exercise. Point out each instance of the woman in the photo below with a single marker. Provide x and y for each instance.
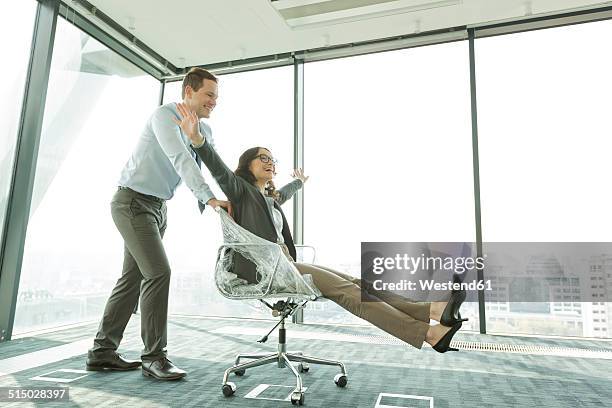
(256, 207)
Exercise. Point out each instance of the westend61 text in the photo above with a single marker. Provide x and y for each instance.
(431, 285)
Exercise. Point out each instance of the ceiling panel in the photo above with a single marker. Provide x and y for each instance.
(201, 32)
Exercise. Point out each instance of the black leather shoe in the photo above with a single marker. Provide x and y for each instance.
(451, 315)
(162, 369)
(443, 345)
(114, 362)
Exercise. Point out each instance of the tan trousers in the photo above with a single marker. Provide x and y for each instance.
(408, 321)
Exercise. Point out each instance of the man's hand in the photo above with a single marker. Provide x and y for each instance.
(189, 123)
(299, 174)
(214, 203)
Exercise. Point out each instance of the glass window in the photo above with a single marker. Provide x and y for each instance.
(254, 109)
(16, 52)
(97, 104)
(389, 154)
(544, 138)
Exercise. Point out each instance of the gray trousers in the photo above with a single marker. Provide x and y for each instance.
(406, 320)
(141, 221)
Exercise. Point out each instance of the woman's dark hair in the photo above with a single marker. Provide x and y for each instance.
(243, 170)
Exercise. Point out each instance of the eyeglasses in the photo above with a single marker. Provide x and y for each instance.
(266, 159)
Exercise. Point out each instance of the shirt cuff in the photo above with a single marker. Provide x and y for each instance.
(200, 145)
(206, 196)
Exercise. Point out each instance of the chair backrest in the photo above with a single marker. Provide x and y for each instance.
(278, 275)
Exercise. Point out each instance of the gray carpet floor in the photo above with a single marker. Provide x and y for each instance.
(379, 369)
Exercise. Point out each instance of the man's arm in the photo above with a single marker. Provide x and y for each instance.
(169, 137)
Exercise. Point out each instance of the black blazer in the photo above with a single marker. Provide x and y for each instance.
(251, 210)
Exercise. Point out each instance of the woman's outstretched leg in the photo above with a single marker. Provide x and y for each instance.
(347, 294)
(405, 305)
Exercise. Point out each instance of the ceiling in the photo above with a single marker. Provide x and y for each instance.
(203, 32)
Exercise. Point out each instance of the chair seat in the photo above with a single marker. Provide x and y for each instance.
(278, 276)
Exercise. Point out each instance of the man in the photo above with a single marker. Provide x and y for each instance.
(163, 157)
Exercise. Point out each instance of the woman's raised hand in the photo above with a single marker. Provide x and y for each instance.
(189, 123)
(299, 174)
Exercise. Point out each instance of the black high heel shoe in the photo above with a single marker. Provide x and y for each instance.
(451, 315)
(443, 345)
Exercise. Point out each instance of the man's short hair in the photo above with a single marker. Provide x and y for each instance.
(195, 79)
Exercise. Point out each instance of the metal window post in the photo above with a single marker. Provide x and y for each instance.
(162, 89)
(298, 159)
(475, 162)
(160, 100)
(24, 166)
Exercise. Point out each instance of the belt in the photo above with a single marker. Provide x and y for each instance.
(150, 197)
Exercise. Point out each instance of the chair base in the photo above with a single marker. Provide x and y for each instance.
(283, 359)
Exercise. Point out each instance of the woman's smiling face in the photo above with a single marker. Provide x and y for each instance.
(263, 166)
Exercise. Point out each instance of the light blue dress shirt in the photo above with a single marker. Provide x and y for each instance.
(163, 157)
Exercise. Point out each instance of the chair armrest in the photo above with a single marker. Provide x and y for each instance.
(311, 259)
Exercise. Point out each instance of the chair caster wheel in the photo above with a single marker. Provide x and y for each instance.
(229, 389)
(303, 367)
(341, 380)
(240, 373)
(297, 398)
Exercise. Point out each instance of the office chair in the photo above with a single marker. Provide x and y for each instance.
(278, 280)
